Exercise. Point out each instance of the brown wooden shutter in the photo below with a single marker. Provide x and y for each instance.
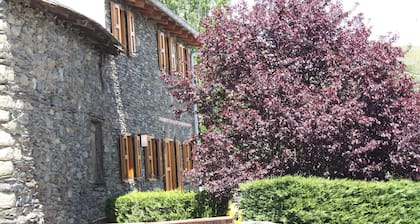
(126, 153)
(187, 62)
(150, 155)
(115, 21)
(137, 156)
(179, 166)
(131, 33)
(162, 52)
(181, 58)
(172, 61)
(168, 161)
(160, 156)
(187, 156)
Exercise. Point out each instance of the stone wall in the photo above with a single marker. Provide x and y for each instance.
(54, 87)
(141, 96)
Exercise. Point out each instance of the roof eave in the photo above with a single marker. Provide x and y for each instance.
(99, 36)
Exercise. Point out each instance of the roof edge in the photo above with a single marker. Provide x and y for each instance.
(173, 16)
(100, 37)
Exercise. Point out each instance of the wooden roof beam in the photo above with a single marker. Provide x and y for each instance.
(136, 3)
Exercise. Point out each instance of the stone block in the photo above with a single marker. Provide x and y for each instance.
(6, 139)
(5, 74)
(6, 101)
(6, 168)
(7, 200)
(4, 116)
(6, 154)
(5, 188)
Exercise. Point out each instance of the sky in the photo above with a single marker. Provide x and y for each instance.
(400, 17)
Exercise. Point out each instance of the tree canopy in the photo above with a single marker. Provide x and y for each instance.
(193, 11)
(297, 86)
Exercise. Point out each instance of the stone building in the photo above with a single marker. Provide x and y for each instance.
(75, 94)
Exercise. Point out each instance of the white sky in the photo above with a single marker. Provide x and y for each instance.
(401, 17)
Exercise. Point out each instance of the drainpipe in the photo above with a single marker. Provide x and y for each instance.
(195, 107)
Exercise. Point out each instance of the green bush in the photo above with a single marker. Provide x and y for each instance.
(156, 206)
(295, 199)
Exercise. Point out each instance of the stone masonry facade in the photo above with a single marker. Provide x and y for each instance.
(55, 88)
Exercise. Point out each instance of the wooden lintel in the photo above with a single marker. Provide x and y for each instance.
(136, 3)
(154, 15)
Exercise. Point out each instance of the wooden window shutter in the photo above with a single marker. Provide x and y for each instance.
(137, 156)
(131, 33)
(169, 162)
(160, 155)
(181, 58)
(172, 60)
(116, 21)
(187, 62)
(126, 153)
(162, 51)
(187, 156)
(178, 166)
(150, 157)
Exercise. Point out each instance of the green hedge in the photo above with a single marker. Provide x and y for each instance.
(156, 206)
(295, 199)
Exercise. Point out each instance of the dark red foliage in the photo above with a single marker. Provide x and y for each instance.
(296, 86)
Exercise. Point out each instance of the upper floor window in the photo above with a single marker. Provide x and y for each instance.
(122, 23)
(173, 57)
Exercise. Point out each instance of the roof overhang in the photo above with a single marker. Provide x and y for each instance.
(164, 17)
(99, 36)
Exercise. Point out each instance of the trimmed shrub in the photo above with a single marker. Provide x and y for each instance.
(209, 205)
(295, 199)
(156, 206)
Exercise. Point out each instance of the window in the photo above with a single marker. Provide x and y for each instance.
(130, 157)
(96, 167)
(161, 158)
(122, 29)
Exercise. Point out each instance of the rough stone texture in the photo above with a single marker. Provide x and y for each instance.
(53, 85)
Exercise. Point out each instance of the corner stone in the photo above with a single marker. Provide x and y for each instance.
(7, 200)
(6, 154)
(6, 139)
(7, 101)
(4, 116)
(6, 168)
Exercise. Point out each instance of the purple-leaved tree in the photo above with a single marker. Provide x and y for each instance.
(297, 86)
